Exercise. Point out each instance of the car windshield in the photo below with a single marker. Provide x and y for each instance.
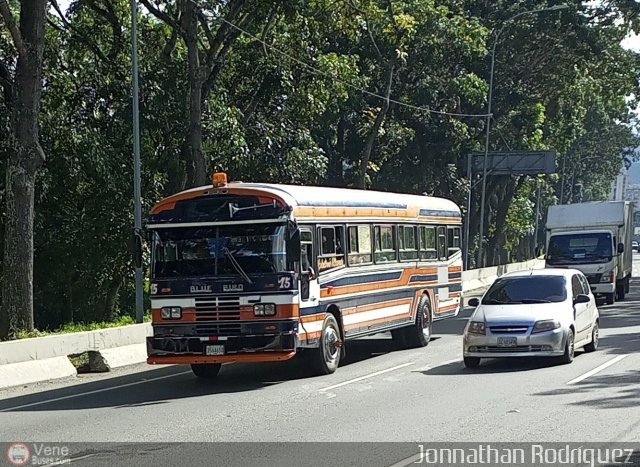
(580, 248)
(212, 251)
(526, 289)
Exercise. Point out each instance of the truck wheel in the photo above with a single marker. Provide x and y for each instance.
(206, 370)
(620, 292)
(626, 284)
(610, 298)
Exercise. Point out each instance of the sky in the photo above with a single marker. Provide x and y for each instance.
(632, 42)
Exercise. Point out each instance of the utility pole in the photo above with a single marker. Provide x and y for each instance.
(488, 123)
(137, 196)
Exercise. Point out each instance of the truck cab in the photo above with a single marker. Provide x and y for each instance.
(594, 253)
(595, 238)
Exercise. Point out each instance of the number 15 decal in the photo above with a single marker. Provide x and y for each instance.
(284, 282)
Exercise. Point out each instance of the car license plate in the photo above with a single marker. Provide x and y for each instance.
(507, 341)
(214, 350)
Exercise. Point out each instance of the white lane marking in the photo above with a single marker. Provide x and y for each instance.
(370, 375)
(597, 369)
(96, 391)
(408, 461)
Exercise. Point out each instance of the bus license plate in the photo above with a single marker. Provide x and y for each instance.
(214, 350)
(507, 341)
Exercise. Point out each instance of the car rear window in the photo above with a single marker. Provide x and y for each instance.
(526, 289)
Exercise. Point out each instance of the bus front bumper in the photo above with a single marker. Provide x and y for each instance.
(222, 342)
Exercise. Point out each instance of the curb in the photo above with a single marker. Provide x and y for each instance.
(35, 371)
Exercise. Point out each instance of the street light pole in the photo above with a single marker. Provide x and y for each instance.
(488, 124)
(467, 221)
(137, 196)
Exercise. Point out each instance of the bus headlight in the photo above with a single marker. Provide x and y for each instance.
(171, 312)
(264, 309)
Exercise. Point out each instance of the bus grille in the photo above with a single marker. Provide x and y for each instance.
(219, 329)
(217, 308)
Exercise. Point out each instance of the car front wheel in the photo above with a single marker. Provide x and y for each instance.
(569, 348)
(593, 345)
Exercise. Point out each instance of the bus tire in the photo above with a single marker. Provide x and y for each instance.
(206, 370)
(326, 357)
(419, 334)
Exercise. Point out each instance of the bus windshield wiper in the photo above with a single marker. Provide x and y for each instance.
(236, 265)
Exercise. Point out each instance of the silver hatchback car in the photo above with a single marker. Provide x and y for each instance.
(539, 313)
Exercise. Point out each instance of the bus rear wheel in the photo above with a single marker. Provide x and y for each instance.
(206, 370)
(419, 334)
(326, 357)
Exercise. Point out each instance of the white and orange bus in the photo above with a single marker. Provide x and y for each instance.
(252, 272)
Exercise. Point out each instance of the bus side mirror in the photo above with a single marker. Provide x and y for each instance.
(293, 246)
(137, 250)
(620, 247)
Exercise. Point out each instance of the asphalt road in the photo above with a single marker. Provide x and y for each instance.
(378, 395)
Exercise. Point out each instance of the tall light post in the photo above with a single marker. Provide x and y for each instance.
(488, 124)
(137, 196)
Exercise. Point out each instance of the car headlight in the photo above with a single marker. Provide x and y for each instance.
(264, 309)
(608, 277)
(171, 312)
(546, 325)
(476, 327)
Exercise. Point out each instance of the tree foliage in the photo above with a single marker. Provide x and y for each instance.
(376, 94)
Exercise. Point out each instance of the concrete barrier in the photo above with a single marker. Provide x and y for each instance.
(43, 358)
(474, 279)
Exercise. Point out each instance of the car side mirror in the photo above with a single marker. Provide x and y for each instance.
(620, 247)
(474, 302)
(581, 298)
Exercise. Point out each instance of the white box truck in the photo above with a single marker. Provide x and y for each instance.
(595, 238)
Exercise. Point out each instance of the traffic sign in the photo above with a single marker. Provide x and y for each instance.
(514, 162)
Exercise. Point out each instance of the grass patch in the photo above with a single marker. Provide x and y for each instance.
(79, 360)
(81, 327)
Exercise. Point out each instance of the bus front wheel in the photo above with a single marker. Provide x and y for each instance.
(326, 357)
(419, 334)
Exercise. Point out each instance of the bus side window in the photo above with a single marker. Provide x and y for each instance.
(442, 243)
(360, 245)
(306, 251)
(453, 240)
(427, 243)
(408, 243)
(385, 243)
(332, 254)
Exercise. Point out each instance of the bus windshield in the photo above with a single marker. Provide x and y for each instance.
(580, 248)
(211, 251)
